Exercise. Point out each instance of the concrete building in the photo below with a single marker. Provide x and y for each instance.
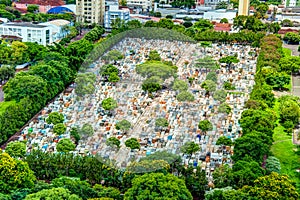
(213, 3)
(142, 5)
(90, 11)
(44, 33)
(44, 5)
(292, 3)
(112, 13)
(244, 7)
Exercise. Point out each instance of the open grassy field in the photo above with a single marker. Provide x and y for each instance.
(284, 149)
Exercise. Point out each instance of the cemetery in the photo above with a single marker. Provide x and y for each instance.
(142, 109)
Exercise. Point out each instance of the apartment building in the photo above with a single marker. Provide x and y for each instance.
(244, 7)
(113, 12)
(43, 33)
(90, 11)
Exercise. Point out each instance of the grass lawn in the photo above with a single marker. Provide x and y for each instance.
(284, 149)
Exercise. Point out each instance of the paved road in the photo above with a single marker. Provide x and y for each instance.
(296, 86)
(1, 95)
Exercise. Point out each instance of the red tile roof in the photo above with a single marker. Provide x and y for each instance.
(289, 30)
(43, 2)
(222, 27)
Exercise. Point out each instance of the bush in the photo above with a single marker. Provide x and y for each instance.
(132, 143)
(59, 129)
(16, 149)
(65, 145)
(113, 141)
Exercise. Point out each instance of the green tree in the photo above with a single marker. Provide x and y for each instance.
(173, 160)
(289, 111)
(113, 78)
(207, 63)
(109, 104)
(212, 76)
(161, 122)
(185, 96)
(132, 143)
(148, 166)
(107, 70)
(32, 8)
(223, 176)
(55, 118)
(16, 149)
(195, 181)
(23, 85)
(54, 193)
(189, 148)
(220, 95)
(258, 120)
(273, 164)
(158, 186)
(205, 125)
(75, 186)
(250, 145)
(86, 130)
(108, 192)
(65, 145)
(59, 129)
(6, 72)
(228, 86)
(19, 52)
(292, 38)
(133, 24)
(273, 186)
(123, 125)
(152, 84)
(209, 86)
(113, 141)
(85, 83)
(229, 60)
(187, 24)
(51, 75)
(154, 55)
(224, 108)
(223, 140)
(203, 25)
(156, 68)
(14, 174)
(224, 20)
(74, 132)
(180, 85)
(245, 172)
(165, 23)
(287, 23)
(113, 55)
(289, 64)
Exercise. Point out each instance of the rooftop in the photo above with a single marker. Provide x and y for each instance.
(43, 2)
(22, 24)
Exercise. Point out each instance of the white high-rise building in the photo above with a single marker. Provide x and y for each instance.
(90, 11)
(244, 7)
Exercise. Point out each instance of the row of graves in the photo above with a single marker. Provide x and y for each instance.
(141, 111)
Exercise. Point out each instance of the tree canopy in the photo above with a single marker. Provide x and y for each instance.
(15, 174)
(55, 118)
(205, 125)
(16, 149)
(157, 186)
(65, 145)
(132, 143)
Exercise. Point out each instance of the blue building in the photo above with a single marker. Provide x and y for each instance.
(112, 13)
